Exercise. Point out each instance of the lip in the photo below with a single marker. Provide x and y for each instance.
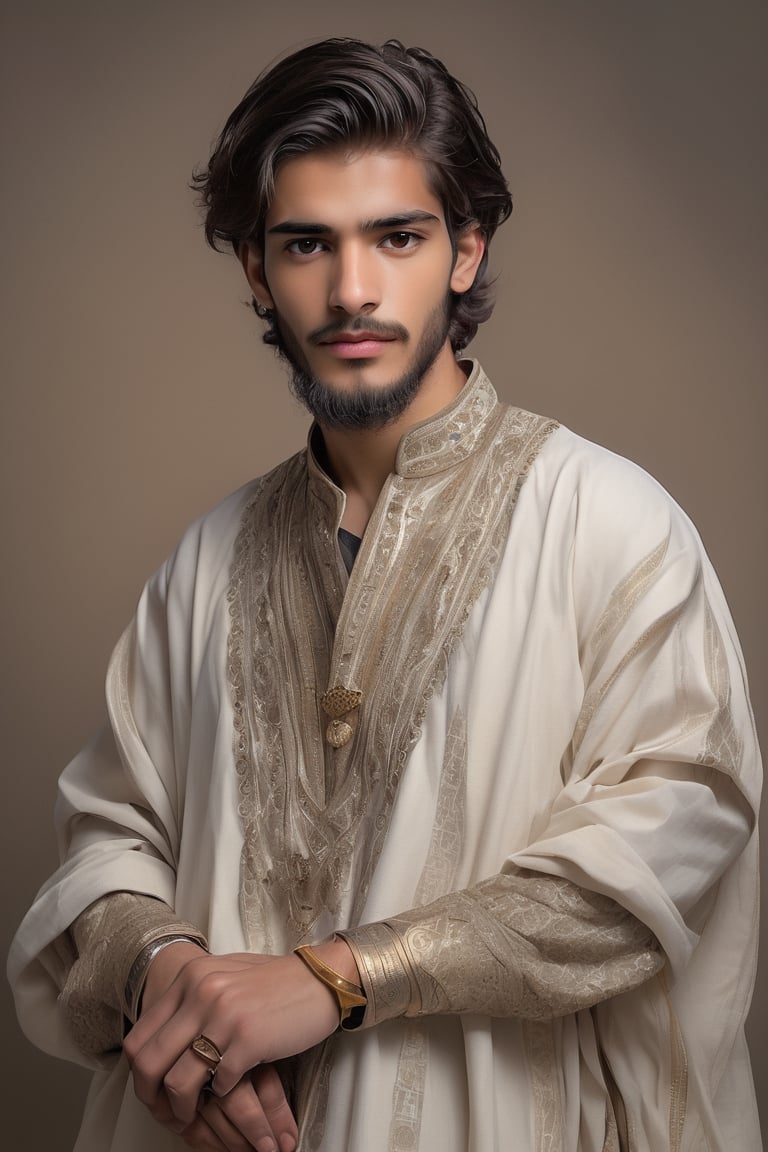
(357, 345)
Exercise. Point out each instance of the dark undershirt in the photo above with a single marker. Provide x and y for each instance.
(349, 546)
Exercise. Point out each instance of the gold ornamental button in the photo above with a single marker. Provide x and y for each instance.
(339, 700)
(338, 733)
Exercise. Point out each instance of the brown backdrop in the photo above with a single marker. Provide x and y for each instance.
(136, 392)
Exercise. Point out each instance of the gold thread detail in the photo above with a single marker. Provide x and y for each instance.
(678, 1087)
(544, 1075)
(315, 817)
(438, 876)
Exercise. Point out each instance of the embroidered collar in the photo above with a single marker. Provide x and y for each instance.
(433, 446)
(452, 434)
(309, 645)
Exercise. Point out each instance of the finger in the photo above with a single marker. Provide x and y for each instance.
(183, 1084)
(167, 1061)
(271, 1093)
(200, 1136)
(229, 1134)
(150, 1021)
(163, 1114)
(243, 1109)
(186, 982)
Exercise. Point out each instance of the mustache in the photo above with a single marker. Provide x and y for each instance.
(391, 331)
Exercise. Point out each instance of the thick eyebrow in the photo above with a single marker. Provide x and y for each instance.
(399, 220)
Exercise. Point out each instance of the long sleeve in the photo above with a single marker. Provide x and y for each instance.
(656, 802)
(122, 802)
(518, 944)
(103, 943)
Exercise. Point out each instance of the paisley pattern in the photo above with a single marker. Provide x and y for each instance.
(314, 816)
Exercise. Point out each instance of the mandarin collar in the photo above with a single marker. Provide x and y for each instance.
(452, 434)
(437, 443)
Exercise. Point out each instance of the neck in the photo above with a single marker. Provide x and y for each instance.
(360, 460)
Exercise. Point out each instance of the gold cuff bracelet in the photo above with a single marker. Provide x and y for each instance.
(351, 999)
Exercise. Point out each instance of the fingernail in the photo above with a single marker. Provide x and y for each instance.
(287, 1142)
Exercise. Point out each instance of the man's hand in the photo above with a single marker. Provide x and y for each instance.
(255, 1009)
(258, 1101)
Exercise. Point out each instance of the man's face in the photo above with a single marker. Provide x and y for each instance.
(358, 266)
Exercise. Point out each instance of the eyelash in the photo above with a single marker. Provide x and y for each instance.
(414, 239)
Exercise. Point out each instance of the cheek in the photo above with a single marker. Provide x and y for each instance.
(423, 288)
(295, 299)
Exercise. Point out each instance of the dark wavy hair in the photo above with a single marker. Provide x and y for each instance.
(342, 92)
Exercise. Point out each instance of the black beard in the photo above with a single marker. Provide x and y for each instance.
(365, 407)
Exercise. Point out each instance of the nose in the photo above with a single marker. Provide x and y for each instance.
(354, 286)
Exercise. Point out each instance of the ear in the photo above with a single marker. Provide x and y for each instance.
(470, 247)
(252, 260)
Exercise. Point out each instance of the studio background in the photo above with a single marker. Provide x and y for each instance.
(136, 392)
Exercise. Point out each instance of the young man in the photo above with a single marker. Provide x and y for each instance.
(452, 698)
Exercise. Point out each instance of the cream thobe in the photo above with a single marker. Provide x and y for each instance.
(585, 717)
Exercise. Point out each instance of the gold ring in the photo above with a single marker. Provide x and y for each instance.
(206, 1050)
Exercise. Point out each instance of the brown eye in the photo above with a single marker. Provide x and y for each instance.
(401, 240)
(304, 247)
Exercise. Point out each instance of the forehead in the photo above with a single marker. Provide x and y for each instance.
(340, 189)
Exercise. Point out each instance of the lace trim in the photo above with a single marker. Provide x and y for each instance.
(315, 818)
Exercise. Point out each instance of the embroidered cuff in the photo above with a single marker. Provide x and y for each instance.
(107, 938)
(385, 973)
(517, 944)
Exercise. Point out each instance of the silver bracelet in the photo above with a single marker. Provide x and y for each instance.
(134, 985)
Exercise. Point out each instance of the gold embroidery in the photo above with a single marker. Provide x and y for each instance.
(624, 598)
(678, 1087)
(545, 1073)
(385, 971)
(519, 944)
(617, 1126)
(620, 604)
(724, 748)
(611, 1141)
(522, 944)
(408, 1095)
(448, 831)
(107, 936)
(437, 877)
(311, 1079)
(314, 818)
